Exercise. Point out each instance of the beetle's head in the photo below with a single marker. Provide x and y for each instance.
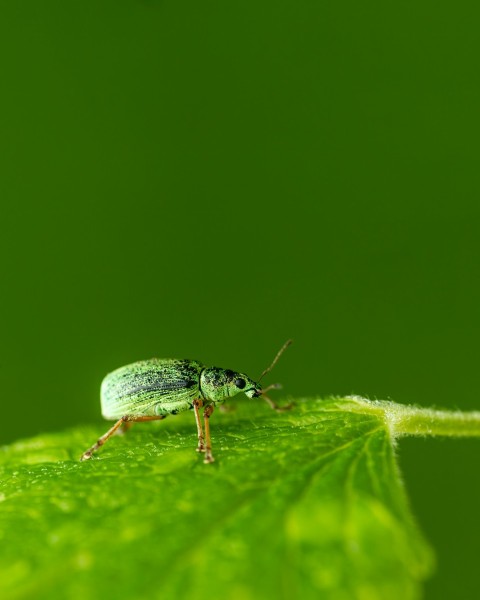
(242, 383)
(219, 384)
(252, 389)
(248, 386)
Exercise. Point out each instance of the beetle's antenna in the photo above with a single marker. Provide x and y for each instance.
(279, 354)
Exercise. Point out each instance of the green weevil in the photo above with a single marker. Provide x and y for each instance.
(151, 390)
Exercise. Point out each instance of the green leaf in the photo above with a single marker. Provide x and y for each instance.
(304, 504)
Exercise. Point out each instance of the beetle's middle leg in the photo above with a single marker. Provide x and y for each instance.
(126, 420)
(208, 443)
(198, 403)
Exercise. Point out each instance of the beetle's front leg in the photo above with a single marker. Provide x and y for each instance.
(201, 440)
(275, 406)
(208, 443)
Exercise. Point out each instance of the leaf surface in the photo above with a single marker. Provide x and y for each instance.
(303, 504)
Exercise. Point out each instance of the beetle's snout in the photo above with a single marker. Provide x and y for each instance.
(255, 391)
(258, 391)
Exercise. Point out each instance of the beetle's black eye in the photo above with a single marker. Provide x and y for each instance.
(240, 383)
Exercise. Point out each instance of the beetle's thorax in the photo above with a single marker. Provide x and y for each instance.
(216, 384)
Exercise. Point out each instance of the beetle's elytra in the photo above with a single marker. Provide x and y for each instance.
(152, 389)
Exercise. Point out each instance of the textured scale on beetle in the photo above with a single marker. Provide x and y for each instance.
(151, 390)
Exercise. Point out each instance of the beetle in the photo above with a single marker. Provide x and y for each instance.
(151, 390)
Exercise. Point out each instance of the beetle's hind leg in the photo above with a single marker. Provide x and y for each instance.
(88, 454)
(126, 420)
(125, 426)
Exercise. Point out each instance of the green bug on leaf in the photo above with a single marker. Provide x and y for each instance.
(150, 390)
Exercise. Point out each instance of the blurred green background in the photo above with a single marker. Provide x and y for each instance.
(208, 179)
